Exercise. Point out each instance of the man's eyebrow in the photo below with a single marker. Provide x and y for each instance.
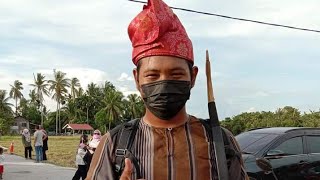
(151, 70)
(177, 69)
(170, 69)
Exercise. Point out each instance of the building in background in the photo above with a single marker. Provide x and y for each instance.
(72, 129)
(19, 124)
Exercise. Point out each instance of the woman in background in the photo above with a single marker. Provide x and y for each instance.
(81, 152)
(26, 141)
(93, 144)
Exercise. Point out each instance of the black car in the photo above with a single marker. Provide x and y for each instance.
(293, 152)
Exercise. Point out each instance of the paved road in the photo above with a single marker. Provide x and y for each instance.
(18, 168)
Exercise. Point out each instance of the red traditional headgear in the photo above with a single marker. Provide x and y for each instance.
(157, 31)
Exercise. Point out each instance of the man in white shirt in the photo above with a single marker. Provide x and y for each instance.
(38, 143)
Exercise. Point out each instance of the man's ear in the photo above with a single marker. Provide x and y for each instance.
(136, 78)
(194, 75)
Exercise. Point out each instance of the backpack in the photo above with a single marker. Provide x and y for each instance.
(125, 134)
(87, 158)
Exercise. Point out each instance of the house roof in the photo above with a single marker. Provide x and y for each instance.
(78, 126)
(20, 118)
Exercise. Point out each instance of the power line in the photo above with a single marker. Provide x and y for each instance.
(239, 19)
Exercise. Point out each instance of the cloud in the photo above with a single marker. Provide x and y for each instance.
(252, 109)
(95, 22)
(278, 12)
(261, 94)
(85, 75)
(37, 57)
(82, 23)
(125, 77)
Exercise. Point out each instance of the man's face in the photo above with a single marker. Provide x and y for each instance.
(158, 68)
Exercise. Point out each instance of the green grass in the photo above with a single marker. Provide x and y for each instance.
(62, 149)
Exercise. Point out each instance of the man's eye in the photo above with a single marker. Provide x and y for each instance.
(151, 75)
(177, 74)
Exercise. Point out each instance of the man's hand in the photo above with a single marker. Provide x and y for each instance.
(128, 169)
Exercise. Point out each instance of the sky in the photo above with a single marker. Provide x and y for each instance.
(255, 67)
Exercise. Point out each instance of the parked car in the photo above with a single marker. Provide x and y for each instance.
(293, 152)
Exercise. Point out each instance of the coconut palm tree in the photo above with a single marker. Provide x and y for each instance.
(16, 93)
(74, 85)
(80, 92)
(84, 103)
(92, 90)
(33, 96)
(59, 87)
(112, 106)
(73, 113)
(135, 105)
(41, 88)
(5, 106)
(108, 86)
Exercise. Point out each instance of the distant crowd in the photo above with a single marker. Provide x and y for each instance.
(40, 144)
(84, 153)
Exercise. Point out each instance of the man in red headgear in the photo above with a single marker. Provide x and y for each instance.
(167, 142)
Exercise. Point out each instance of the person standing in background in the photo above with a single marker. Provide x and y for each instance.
(26, 141)
(93, 144)
(38, 143)
(1, 162)
(45, 143)
(81, 152)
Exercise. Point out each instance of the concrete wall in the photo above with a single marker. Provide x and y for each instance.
(19, 124)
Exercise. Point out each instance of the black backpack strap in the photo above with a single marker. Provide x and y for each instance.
(126, 133)
(208, 128)
(230, 152)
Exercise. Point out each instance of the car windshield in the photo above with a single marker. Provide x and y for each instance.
(251, 143)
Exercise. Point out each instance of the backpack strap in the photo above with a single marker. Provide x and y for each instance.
(208, 128)
(230, 152)
(126, 133)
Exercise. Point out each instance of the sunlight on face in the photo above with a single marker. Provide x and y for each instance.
(158, 68)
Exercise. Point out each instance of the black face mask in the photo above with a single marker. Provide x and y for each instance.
(166, 98)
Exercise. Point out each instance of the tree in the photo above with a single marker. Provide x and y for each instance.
(74, 85)
(5, 106)
(289, 116)
(6, 120)
(283, 117)
(72, 111)
(112, 109)
(6, 116)
(94, 91)
(311, 119)
(84, 103)
(41, 88)
(80, 92)
(134, 107)
(59, 88)
(16, 93)
(108, 86)
(33, 97)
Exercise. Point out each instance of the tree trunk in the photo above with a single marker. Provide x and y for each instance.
(41, 110)
(16, 107)
(57, 119)
(87, 115)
